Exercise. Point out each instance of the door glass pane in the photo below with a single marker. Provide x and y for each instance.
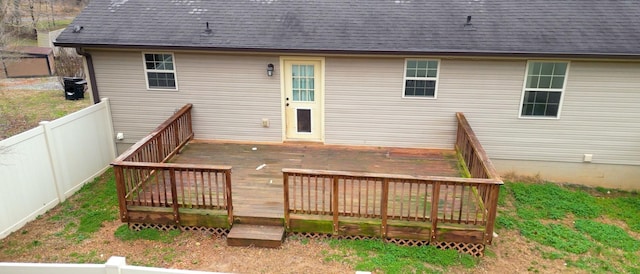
(302, 77)
(303, 83)
(310, 71)
(304, 120)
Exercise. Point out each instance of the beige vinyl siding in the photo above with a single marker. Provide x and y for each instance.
(364, 105)
(231, 95)
(364, 101)
(599, 114)
(597, 117)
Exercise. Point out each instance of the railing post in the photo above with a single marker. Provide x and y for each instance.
(122, 192)
(459, 132)
(174, 196)
(285, 183)
(384, 201)
(189, 122)
(492, 209)
(435, 197)
(227, 176)
(334, 203)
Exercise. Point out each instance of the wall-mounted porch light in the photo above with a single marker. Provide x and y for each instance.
(270, 70)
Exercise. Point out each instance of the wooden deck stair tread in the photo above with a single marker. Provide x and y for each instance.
(255, 235)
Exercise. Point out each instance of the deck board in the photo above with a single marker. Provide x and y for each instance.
(255, 235)
(259, 193)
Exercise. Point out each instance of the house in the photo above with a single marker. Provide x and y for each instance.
(27, 62)
(550, 87)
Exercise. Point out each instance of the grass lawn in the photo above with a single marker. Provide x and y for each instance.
(594, 230)
(542, 227)
(23, 109)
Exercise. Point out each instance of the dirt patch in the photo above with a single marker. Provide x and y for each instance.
(512, 253)
(38, 242)
(192, 250)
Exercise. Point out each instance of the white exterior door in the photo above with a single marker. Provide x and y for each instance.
(303, 91)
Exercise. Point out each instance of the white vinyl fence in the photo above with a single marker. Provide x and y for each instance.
(115, 265)
(41, 167)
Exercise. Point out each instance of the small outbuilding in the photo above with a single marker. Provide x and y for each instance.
(27, 62)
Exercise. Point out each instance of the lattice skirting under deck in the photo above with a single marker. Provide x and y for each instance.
(214, 231)
(467, 248)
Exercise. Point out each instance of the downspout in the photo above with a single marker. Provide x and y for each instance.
(92, 74)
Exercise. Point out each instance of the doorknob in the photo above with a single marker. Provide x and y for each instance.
(287, 104)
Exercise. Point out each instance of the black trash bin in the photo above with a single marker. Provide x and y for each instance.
(74, 88)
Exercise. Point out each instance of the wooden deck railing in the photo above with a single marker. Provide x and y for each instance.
(385, 197)
(164, 142)
(469, 147)
(144, 179)
(479, 165)
(434, 201)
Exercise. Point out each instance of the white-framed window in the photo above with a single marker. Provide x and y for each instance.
(543, 89)
(160, 71)
(420, 78)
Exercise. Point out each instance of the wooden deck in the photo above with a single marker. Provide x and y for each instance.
(405, 195)
(258, 190)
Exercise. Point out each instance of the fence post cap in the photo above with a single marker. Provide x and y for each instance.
(116, 261)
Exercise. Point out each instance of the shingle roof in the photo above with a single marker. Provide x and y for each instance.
(573, 27)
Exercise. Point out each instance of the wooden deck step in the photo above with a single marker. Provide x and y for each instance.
(257, 220)
(255, 235)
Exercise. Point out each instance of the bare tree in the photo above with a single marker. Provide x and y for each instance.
(4, 36)
(68, 65)
(16, 16)
(34, 17)
(3, 21)
(53, 19)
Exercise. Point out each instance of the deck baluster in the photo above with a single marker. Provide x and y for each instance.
(335, 189)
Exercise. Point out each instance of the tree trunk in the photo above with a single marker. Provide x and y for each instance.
(53, 19)
(34, 18)
(17, 15)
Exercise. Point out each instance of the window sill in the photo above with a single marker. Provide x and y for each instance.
(161, 89)
(538, 118)
(419, 97)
